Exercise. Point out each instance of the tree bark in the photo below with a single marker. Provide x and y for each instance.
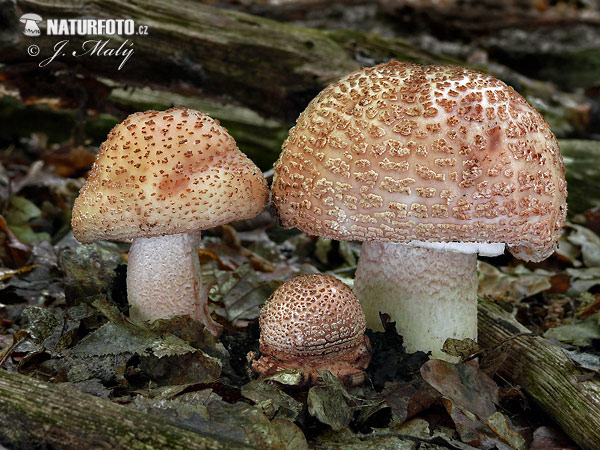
(545, 373)
(33, 412)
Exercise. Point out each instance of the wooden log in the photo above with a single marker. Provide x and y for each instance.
(272, 67)
(549, 377)
(192, 49)
(38, 414)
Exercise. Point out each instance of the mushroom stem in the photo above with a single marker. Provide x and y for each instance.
(430, 294)
(164, 280)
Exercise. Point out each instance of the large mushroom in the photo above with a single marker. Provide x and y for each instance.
(313, 322)
(428, 165)
(159, 179)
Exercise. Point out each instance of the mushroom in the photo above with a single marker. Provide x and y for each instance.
(31, 20)
(428, 166)
(159, 179)
(313, 322)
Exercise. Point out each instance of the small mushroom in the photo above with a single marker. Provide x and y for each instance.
(310, 323)
(159, 179)
(428, 166)
(31, 21)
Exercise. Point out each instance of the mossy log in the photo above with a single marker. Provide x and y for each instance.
(271, 68)
(568, 394)
(35, 414)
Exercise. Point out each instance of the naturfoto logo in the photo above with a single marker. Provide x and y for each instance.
(31, 24)
(83, 27)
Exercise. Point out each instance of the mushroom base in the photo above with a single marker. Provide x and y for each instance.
(163, 280)
(430, 294)
(348, 365)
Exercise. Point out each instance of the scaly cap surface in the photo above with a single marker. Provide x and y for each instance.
(311, 315)
(167, 172)
(402, 152)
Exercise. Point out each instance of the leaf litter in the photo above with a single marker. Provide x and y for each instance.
(63, 318)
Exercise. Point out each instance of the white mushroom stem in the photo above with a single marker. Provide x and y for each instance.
(163, 279)
(430, 293)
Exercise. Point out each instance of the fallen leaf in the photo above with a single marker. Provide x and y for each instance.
(113, 339)
(408, 399)
(238, 423)
(589, 243)
(581, 333)
(274, 402)
(89, 270)
(6, 273)
(582, 280)
(470, 396)
(549, 438)
(244, 291)
(462, 348)
(69, 160)
(512, 284)
(589, 304)
(328, 403)
(466, 386)
(39, 323)
(499, 423)
(287, 377)
(292, 437)
(568, 251)
(18, 215)
(93, 386)
(14, 252)
(587, 361)
(592, 217)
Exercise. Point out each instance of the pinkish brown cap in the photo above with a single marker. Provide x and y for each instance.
(313, 322)
(402, 152)
(167, 172)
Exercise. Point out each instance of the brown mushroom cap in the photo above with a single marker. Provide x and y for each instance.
(314, 321)
(402, 152)
(168, 172)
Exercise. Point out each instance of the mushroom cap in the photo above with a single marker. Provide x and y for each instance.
(30, 16)
(311, 316)
(402, 152)
(169, 172)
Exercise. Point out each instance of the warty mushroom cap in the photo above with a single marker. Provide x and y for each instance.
(403, 152)
(314, 322)
(311, 315)
(169, 172)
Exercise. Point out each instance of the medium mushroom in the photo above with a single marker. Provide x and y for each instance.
(31, 21)
(310, 323)
(159, 179)
(428, 166)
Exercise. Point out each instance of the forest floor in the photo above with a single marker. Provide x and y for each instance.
(63, 318)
